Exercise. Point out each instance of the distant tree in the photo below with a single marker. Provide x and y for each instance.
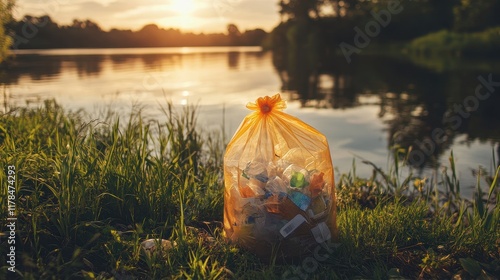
(300, 9)
(476, 15)
(253, 37)
(349, 8)
(418, 17)
(5, 17)
(88, 34)
(443, 12)
(85, 24)
(234, 34)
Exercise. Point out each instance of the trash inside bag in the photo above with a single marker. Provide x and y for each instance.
(279, 195)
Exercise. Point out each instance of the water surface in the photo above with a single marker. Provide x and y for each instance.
(363, 108)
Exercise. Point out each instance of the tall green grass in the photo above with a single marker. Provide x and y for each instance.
(415, 227)
(78, 181)
(90, 191)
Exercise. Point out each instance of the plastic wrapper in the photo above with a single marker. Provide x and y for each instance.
(279, 195)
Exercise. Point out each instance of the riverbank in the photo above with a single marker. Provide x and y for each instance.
(89, 191)
(441, 51)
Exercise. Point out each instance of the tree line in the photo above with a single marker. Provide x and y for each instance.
(313, 29)
(418, 16)
(324, 24)
(44, 33)
(311, 22)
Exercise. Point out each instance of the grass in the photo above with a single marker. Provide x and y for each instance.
(89, 192)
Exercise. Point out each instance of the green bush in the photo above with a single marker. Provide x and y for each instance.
(484, 43)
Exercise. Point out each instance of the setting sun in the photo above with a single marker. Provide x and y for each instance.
(183, 7)
(183, 17)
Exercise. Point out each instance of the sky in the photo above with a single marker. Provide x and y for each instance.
(188, 15)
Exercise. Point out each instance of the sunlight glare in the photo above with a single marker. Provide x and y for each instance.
(183, 7)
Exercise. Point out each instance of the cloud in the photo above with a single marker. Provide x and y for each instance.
(146, 12)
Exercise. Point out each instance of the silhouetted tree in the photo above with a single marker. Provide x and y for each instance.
(477, 15)
(300, 9)
(234, 34)
(443, 11)
(250, 37)
(87, 33)
(5, 17)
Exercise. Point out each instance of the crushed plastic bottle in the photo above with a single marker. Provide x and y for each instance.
(276, 185)
(256, 170)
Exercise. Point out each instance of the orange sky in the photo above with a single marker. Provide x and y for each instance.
(188, 15)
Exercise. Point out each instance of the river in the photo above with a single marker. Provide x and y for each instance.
(364, 108)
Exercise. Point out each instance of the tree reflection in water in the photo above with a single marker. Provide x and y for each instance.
(416, 101)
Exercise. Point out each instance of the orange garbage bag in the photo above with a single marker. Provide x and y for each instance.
(279, 194)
